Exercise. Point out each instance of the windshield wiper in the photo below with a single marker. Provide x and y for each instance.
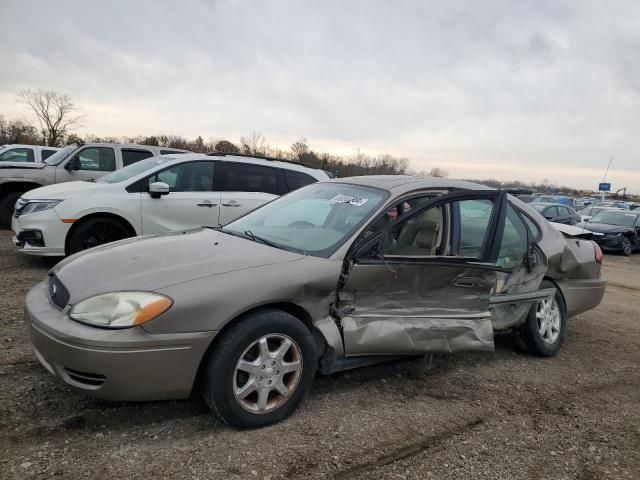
(256, 238)
(248, 234)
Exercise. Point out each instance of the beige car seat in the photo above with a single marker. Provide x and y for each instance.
(421, 235)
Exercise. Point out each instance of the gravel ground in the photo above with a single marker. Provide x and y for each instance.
(499, 415)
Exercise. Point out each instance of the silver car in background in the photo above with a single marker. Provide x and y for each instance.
(336, 275)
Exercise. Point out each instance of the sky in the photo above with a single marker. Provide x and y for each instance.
(533, 91)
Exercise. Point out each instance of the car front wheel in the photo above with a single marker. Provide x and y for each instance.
(627, 247)
(96, 231)
(543, 332)
(6, 208)
(259, 371)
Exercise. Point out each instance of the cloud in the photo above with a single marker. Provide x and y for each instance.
(497, 85)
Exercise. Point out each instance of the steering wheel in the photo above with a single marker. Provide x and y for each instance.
(301, 224)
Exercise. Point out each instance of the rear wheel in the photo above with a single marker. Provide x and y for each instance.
(544, 330)
(259, 371)
(6, 208)
(96, 231)
(627, 246)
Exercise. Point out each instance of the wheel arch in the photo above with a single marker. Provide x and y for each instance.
(559, 289)
(130, 229)
(13, 187)
(288, 307)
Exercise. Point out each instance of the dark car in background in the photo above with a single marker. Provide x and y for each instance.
(526, 198)
(621, 229)
(555, 212)
(591, 210)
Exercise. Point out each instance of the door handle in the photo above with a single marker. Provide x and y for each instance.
(231, 203)
(207, 204)
(468, 282)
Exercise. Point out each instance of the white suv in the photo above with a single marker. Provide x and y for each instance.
(158, 194)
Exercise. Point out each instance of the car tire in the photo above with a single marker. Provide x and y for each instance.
(250, 377)
(6, 208)
(544, 330)
(626, 246)
(96, 231)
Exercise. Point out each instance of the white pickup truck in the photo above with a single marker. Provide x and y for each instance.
(25, 153)
(85, 161)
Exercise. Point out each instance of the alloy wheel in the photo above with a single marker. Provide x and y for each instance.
(549, 319)
(267, 373)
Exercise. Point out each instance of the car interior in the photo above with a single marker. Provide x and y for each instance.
(420, 236)
(453, 229)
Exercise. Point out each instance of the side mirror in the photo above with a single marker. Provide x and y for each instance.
(157, 189)
(73, 164)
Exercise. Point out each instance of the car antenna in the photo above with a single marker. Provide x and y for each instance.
(606, 172)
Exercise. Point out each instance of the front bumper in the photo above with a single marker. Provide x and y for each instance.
(53, 232)
(124, 365)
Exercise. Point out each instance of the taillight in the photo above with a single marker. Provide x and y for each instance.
(598, 253)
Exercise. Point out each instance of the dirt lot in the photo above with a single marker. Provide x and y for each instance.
(502, 415)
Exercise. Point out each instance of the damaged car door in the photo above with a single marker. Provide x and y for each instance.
(424, 283)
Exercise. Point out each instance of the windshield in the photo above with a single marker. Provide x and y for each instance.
(314, 220)
(133, 170)
(593, 210)
(615, 218)
(60, 155)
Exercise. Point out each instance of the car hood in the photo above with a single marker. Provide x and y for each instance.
(62, 191)
(157, 261)
(605, 228)
(22, 165)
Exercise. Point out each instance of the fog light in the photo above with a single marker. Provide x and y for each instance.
(32, 237)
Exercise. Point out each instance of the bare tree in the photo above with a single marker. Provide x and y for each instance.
(18, 131)
(225, 146)
(253, 144)
(55, 112)
(438, 172)
(299, 149)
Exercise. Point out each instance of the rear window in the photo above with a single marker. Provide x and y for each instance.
(296, 180)
(47, 153)
(533, 226)
(245, 177)
(131, 156)
(17, 155)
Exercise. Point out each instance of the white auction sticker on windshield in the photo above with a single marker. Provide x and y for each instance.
(356, 202)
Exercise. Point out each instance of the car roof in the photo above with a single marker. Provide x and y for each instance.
(5, 145)
(398, 184)
(552, 204)
(258, 160)
(130, 145)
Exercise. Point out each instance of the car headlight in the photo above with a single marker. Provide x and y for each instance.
(120, 309)
(33, 206)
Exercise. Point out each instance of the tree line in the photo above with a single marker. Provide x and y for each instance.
(58, 117)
